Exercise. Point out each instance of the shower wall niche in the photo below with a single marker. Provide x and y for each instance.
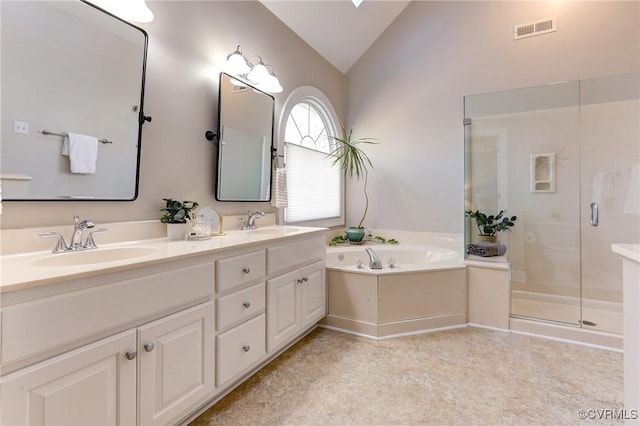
(555, 156)
(543, 172)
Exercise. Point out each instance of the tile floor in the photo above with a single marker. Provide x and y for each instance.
(467, 376)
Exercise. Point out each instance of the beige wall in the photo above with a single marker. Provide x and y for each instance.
(188, 44)
(407, 91)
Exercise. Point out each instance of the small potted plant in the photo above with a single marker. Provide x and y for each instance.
(175, 214)
(354, 163)
(490, 225)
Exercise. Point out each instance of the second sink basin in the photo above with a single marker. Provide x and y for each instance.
(93, 256)
(274, 232)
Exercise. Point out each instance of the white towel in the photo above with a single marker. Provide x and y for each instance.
(632, 205)
(603, 187)
(82, 151)
(279, 197)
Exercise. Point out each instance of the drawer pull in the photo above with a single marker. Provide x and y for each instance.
(246, 269)
(247, 305)
(246, 348)
(131, 354)
(149, 346)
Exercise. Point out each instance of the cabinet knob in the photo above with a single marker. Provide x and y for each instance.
(246, 269)
(131, 354)
(149, 346)
(247, 305)
(246, 348)
(305, 279)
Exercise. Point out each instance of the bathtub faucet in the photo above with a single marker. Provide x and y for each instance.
(374, 261)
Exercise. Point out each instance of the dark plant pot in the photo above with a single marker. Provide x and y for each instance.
(355, 235)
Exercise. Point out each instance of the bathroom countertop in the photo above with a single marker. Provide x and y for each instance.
(27, 270)
(628, 251)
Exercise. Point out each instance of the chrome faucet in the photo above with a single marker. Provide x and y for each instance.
(76, 238)
(250, 223)
(78, 227)
(374, 261)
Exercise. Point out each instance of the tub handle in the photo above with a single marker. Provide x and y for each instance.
(594, 214)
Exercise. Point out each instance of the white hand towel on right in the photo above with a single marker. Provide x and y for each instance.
(632, 204)
(279, 197)
(82, 151)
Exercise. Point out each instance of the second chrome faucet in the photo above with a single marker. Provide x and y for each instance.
(250, 223)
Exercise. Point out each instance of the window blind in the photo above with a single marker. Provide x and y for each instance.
(313, 185)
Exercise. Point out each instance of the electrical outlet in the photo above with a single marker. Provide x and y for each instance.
(21, 127)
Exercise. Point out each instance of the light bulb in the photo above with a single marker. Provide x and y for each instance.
(258, 74)
(271, 84)
(236, 63)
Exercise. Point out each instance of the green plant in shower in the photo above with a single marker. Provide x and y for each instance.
(354, 162)
(177, 211)
(490, 225)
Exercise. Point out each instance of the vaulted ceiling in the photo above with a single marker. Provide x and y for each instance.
(336, 29)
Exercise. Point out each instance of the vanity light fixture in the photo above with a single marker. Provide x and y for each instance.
(356, 3)
(236, 63)
(129, 10)
(261, 75)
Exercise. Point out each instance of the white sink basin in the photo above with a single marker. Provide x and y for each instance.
(93, 256)
(274, 232)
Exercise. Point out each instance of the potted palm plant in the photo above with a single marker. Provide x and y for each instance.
(175, 214)
(490, 225)
(354, 163)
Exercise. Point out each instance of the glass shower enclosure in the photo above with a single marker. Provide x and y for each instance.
(565, 159)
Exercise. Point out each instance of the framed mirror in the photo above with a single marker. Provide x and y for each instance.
(69, 67)
(245, 141)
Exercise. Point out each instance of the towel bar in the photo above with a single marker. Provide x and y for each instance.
(64, 135)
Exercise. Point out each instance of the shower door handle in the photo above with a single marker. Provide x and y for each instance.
(594, 214)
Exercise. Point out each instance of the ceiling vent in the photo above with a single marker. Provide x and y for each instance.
(530, 29)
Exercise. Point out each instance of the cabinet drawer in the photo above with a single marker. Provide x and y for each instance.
(240, 348)
(240, 305)
(282, 258)
(35, 327)
(235, 271)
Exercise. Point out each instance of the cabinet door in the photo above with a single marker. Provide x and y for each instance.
(313, 303)
(176, 362)
(239, 349)
(94, 384)
(281, 309)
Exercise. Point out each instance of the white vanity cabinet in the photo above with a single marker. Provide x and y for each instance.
(96, 384)
(159, 342)
(155, 366)
(296, 299)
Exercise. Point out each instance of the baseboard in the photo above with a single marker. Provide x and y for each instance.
(394, 329)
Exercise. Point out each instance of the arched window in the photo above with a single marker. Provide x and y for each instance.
(314, 185)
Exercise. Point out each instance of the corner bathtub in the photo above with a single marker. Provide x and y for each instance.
(405, 258)
(425, 291)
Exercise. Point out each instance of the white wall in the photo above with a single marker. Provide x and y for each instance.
(188, 44)
(407, 91)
